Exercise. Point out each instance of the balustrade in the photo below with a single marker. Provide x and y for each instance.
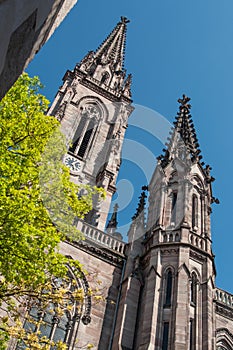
(171, 237)
(99, 236)
(224, 297)
(197, 241)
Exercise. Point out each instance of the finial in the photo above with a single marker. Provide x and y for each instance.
(112, 224)
(184, 102)
(215, 200)
(127, 86)
(182, 141)
(141, 204)
(124, 19)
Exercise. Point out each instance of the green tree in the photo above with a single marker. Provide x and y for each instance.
(38, 203)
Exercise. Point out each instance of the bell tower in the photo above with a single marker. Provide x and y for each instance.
(168, 289)
(93, 106)
(179, 227)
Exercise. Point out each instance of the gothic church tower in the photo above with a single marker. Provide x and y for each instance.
(93, 106)
(159, 289)
(170, 274)
(179, 225)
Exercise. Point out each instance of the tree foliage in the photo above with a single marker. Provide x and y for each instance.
(38, 203)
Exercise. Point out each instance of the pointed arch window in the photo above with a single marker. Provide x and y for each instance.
(194, 211)
(173, 207)
(191, 334)
(165, 336)
(224, 339)
(105, 78)
(168, 289)
(78, 134)
(193, 321)
(84, 133)
(86, 139)
(193, 289)
(53, 324)
(223, 347)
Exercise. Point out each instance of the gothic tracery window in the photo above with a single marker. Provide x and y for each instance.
(165, 335)
(193, 320)
(193, 289)
(191, 334)
(173, 207)
(86, 138)
(168, 288)
(83, 136)
(223, 347)
(194, 211)
(60, 322)
(78, 134)
(225, 343)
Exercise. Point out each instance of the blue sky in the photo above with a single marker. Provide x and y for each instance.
(173, 47)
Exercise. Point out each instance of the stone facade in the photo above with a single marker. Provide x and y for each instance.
(163, 281)
(159, 289)
(25, 26)
(93, 106)
(107, 271)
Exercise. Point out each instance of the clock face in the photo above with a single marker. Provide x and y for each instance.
(73, 163)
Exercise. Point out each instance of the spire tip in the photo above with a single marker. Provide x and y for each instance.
(184, 102)
(124, 20)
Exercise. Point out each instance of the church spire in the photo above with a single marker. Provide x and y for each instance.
(183, 141)
(105, 66)
(113, 47)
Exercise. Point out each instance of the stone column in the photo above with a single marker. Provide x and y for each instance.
(149, 326)
(127, 314)
(181, 296)
(208, 332)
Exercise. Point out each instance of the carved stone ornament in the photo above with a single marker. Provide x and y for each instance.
(169, 251)
(224, 311)
(91, 111)
(145, 262)
(196, 256)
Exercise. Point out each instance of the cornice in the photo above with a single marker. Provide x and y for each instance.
(195, 252)
(172, 251)
(111, 258)
(197, 256)
(118, 97)
(223, 310)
